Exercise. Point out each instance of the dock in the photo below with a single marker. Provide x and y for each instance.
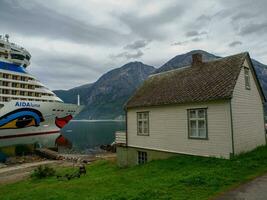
(77, 158)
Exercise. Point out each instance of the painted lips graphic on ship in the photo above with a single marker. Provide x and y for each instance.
(21, 118)
(26, 117)
(61, 140)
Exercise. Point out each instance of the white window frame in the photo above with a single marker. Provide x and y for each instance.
(247, 78)
(197, 120)
(142, 123)
(141, 157)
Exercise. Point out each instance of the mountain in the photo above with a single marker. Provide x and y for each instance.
(186, 59)
(105, 98)
(261, 71)
(70, 96)
(183, 60)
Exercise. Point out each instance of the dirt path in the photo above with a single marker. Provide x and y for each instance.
(20, 172)
(253, 190)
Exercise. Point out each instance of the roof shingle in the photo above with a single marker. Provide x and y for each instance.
(210, 80)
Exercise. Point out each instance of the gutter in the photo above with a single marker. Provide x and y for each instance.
(232, 129)
(263, 110)
(126, 127)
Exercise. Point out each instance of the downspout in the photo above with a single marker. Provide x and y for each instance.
(263, 111)
(126, 128)
(232, 129)
(126, 135)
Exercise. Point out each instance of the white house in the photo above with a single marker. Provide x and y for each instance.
(212, 108)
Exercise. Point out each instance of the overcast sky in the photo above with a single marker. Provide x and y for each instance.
(75, 42)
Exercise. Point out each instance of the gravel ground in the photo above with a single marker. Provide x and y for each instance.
(253, 190)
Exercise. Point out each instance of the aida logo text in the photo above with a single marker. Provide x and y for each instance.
(26, 104)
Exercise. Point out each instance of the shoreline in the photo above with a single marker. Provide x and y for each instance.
(97, 120)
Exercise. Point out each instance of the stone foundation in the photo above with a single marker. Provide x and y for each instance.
(128, 156)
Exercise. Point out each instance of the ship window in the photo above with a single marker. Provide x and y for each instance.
(5, 76)
(17, 56)
(2, 45)
(27, 57)
(14, 92)
(31, 87)
(22, 93)
(14, 77)
(14, 49)
(5, 83)
(4, 91)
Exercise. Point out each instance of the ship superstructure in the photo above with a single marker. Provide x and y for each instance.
(27, 107)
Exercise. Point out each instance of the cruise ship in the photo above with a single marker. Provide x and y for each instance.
(29, 112)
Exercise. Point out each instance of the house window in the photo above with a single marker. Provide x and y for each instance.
(142, 123)
(197, 123)
(247, 80)
(142, 157)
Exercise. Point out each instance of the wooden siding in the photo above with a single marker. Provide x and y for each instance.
(120, 138)
(169, 130)
(247, 111)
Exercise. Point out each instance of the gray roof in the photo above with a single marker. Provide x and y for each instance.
(212, 80)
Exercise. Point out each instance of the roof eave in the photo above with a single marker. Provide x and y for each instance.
(177, 104)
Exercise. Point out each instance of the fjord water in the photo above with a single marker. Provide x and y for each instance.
(90, 134)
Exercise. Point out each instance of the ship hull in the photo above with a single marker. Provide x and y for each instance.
(33, 122)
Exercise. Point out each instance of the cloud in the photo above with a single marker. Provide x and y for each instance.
(253, 28)
(195, 33)
(185, 42)
(179, 43)
(137, 44)
(196, 39)
(59, 71)
(151, 26)
(128, 55)
(38, 20)
(243, 16)
(74, 42)
(204, 18)
(235, 43)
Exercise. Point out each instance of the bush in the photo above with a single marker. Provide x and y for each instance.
(43, 171)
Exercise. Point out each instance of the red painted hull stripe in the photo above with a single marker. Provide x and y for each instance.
(28, 134)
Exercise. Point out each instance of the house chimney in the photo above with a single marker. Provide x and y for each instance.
(196, 59)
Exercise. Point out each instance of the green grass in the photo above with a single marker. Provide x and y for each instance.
(181, 177)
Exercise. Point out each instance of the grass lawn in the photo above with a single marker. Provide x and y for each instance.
(181, 177)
